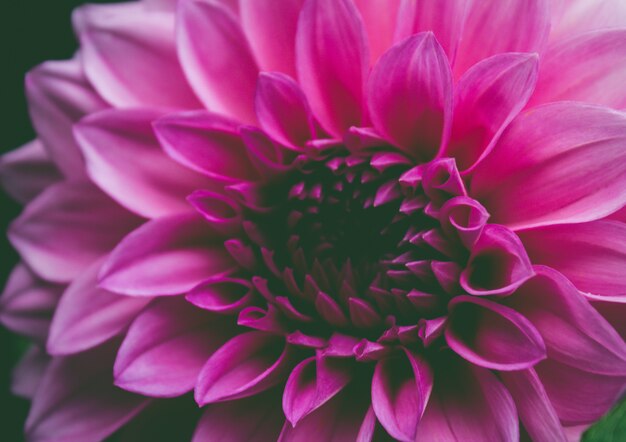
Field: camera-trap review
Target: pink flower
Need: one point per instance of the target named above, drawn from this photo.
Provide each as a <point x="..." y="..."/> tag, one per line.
<point x="326" y="220"/>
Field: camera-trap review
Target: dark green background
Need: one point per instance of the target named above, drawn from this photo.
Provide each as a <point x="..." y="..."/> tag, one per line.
<point x="33" y="31"/>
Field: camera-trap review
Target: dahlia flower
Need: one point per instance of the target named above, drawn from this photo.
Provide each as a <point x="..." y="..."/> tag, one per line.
<point x="324" y="220"/>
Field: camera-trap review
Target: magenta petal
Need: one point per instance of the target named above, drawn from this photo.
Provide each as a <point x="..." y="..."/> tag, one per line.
<point x="464" y="218"/>
<point x="578" y="16"/>
<point x="129" y="55"/>
<point x="491" y="335"/>
<point x="591" y="255"/>
<point x="29" y="371"/>
<point x="216" y="58"/>
<point x="533" y="405"/>
<point x="410" y="96"/>
<point x="165" y="256"/>
<point x="67" y="227"/>
<point x="498" y="263"/>
<point x="222" y="295"/>
<point x="547" y="168"/>
<point x="379" y="19"/>
<point x="488" y="96"/>
<point x="165" y="348"/>
<point x="88" y="315"/>
<point x="332" y="62"/>
<point x="256" y="418"/>
<point x="400" y="391"/>
<point x="207" y="143"/>
<point x="27" y="171"/>
<point x="76" y="400"/>
<point x="574" y="332"/>
<point x="244" y="366"/>
<point x="312" y="383"/>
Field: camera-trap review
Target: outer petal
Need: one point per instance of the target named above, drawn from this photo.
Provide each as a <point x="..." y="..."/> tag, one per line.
<point x="503" y="26"/>
<point x="379" y="18"/>
<point x="77" y="401"/>
<point x="574" y="333"/>
<point x="410" y="96"/>
<point x="66" y="228"/>
<point x="548" y="168"/>
<point x="582" y="15"/>
<point x="129" y="55"/>
<point x="125" y="160"/>
<point x="332" y="62"/>
<point x="589" y="67"/>
<point x="489" y="95"/>
<point x="165" y="348"/>
<point x="591" y="255"/>
<point x="59" y="95"/>
<point x="165" y="256"/>
<point x="25" y="172"/>
<point x="216" y="58"/>
<point x="88" y="315"/>
<point x="29" y="371"/>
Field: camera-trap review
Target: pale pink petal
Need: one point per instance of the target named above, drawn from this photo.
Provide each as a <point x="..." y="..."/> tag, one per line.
<point x="207" y="143"/>
<point x="126" y="161"/>
<point x="216" y="58"/>
<point x="26" y="171"/>
<point x="379" y="18"/>
<point x="59" y="95"/>
<point x="410" y="96"/>
<point x="488" y="96"/>
<point x="271" y="30"/>
<point x="589" y="67"/>
<point x="165" y="256"/>
<point x="591" y="255"/>
<point x="502" y="26"/>
<point x="558" y="163"/>
<point x="491" y="335"/>
<point x="332" y="62"/>
<point x="29" y="371"/>
<point x="577" y="16"/>
<point x="166" y="346"/>
<point x="88" y="315"/>
<point x="67" y="227"/>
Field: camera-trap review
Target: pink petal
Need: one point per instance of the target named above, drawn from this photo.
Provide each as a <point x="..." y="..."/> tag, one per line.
<point x="613" y="312"/>
<point x="410" y="96"/>
<point x="464" y="218"/>
<point x="577" y="16"/>
<point x="165" y="348"/>
<point x="445" y="18"/>
<point x="468" y="403"/>
<point x="216" y="58"/>
<point x="283" y="110"/>
<point x="589" y="67"/>
<point x="66" y="228"/>
<point x="379" y="18"/>
<point x="256" y="418"/>
<point x="165" y="256"/>
<point x="207" y="143"/>
<point x="498" y="263"/>
<point x="222" y="295"/>
<point x="88" y="315"/>
<point x="27" y="171"/>
<point x="533" y="405"/>
<point x="244" y="366"/>
<point x="491" y="335"/>
<point x="28" y="303"/>
<point x="489" y="95"/>
<point x="592" y="255"/>
<point x="332" y="62"/>
<point x="129" y="55"/>
<point x="77" y="401"/>
<point x="29" y="371"/>
<point x="59" y="95"/>
<point x="312" y="383"/>
<point x="503" y="26"/>
<point x="574" y="333"/>
<point x="271" y="30"/>
<point x="126" y="161"/>
<point x="400" y="391"/>
<point x="548" y="168"/>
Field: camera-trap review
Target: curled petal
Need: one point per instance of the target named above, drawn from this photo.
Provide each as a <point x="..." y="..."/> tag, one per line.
<point x="222" y="295"/>
<point x="441" y="180"/>
<point x="464" y="218"/>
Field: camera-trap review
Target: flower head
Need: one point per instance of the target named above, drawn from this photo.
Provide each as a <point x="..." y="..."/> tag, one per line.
<point x="328" y="219"/>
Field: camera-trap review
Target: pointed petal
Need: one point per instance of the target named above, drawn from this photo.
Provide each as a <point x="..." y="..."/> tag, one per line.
<point x="222" y="295"/>
<point x="548" y="168"/>
<point x="165" y="256"/>
<point x="67" y="227"/>
<point x="332" y="62"/>
<point x="488" y="96"/>
<point x="216" y="58"/>
<point x="29" y="371"/>
<point x="379" y="18"/>
<point x="410" y="96"/>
